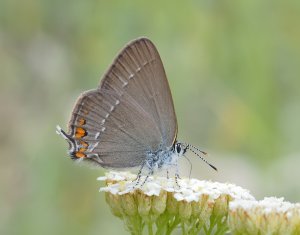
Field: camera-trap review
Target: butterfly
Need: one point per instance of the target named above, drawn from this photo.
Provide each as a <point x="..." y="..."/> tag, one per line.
<point x="129" y="120"/>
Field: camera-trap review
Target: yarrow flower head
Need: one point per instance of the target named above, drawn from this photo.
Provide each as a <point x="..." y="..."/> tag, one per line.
<point x="269" y="216"/>
<point x="161" y="205"/>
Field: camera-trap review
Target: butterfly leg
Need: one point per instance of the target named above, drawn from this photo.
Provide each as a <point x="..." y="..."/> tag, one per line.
<point x="150" y="167"/>
<point x="138" y="177"/>
<point x="150" y="173"/>
<point x="168" y="174"/>
<point x="177" y="175"/>
<point x="137" y="180"/>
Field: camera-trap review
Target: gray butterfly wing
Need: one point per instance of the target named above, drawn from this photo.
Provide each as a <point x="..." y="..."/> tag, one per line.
<point x="129" y="115"/>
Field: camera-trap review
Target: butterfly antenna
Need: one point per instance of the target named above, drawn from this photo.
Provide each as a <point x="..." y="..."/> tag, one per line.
<point x="203" y="159"/>
<point x="199" y="150"/>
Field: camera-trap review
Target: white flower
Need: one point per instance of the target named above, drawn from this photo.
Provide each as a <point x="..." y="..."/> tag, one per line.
<point x="269" y="216"/>
<point x="197" y="205"/>
<point x="188" y="190"/>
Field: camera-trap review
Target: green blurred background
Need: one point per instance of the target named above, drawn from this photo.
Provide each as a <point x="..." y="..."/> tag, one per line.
<point x="233" y="67"/>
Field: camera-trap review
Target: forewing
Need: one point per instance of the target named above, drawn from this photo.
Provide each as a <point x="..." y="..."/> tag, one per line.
<point x="138" y="73"/>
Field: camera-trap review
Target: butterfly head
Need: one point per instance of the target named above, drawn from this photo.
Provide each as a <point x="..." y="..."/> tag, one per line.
<point x="180" y="149"/>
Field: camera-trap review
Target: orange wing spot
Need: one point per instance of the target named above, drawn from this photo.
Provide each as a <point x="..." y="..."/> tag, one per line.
<point x="80" y="155"/>
<point x="80" y="132"/>
<point x="81" y="121"/>
<point x="82" y="150"/>
<point x="84" y="144"/>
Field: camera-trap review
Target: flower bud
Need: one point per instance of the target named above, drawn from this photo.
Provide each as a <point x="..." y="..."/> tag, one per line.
<point x="159" y="203"/>
<point x="114" y="202"/>
<point x="172" y="204"/>
<point x="143" y="203"/>
<point x="221" y="205"/>
<point x="128" y="204"/>
<point x="184" y="210"/>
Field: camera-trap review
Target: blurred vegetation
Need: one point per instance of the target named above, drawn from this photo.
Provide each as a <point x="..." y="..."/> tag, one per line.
<point x="233" y="67"/>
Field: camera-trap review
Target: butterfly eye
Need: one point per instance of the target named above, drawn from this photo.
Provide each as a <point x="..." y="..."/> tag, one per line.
<point x="178" y="148"/>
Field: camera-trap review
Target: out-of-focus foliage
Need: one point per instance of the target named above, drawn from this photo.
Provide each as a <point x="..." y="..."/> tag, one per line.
<point x="233" y="68"/>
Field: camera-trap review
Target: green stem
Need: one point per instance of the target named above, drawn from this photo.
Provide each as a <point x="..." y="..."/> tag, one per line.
<point x="162" y="224"/>
<point x="173" y="225"/>
<point x="222" y="226"/>
<point x="150" y="230"/>
<point x="137" y="224"/>
<point x="183" y="228"/>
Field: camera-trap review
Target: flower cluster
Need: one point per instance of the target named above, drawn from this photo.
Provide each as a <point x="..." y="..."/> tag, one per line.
<point x="161" y="205"/>
<point x="268" y="216"/>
